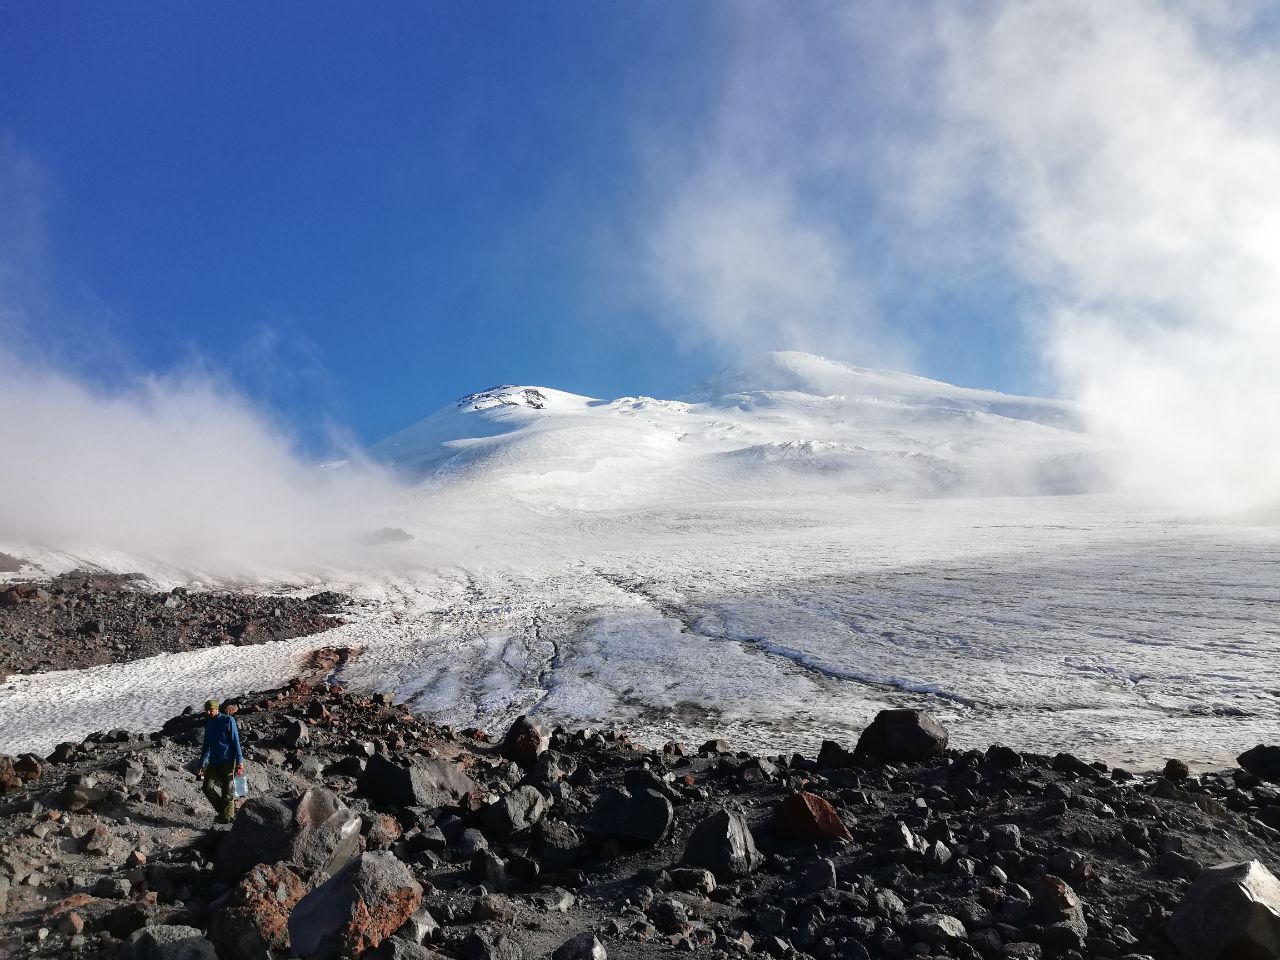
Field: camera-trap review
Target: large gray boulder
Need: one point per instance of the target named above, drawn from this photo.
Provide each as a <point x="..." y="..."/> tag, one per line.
<point x="723" y="844"/>
<point x="902" y="736"/>
<point x="585" y="946"/>
<point x="356" y="909"/>
<point x="1263" y="761"/>
<point x="317" y="833"/>
<point x="427" y="783"/>
<point x="645" y="816"/>
<point x="167" y="943"/>
<point x="515" y="813"/>
<point x="1231" y="911"/>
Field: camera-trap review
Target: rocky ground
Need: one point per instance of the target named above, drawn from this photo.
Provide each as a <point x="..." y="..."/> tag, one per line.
<point x="84" y="619"/>
<point x="371" y="833"/>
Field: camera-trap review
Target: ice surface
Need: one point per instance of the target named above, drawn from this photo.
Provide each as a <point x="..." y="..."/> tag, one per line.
<point x="772" y="559"/>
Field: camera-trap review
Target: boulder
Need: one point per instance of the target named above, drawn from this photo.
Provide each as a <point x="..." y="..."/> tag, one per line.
<point x="902" y="736"/>
<point x="28" y="767"/>
<point x="1230" y="911"/>
<point x="514" y="813"/>
<point x="167" y="943"/>
<point x="356" y="909"/>
<point x="808" y="818"/>
<point x="316" y="833"/>
<point x="645" y="817"/>
<point x="1262" y="761"/>
<point x="1056" y="904"/>
<point x="254" y="918"/>
<point x="722" y="843"/>
<point x="484" y="944"/>
<point x="585" y="946"/>
<point x="832" y="756"/>
<point x="296" y="734"/>
<point x="430" y="783"/>
<point x="526" y="741"/>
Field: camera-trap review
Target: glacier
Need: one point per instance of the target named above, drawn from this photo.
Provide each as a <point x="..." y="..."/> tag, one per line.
<point x="771" y="558"/>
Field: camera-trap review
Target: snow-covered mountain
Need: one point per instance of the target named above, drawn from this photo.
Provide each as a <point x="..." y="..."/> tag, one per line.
<point x="781" y="422"/>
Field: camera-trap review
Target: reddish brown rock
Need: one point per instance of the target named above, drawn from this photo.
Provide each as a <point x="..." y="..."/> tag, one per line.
<point x="355" y="909"/>
<point x="9" y="779"/>
<point x="255" y="917"/>
<point x="808" y="818"/>
<point x="71" y="923"/>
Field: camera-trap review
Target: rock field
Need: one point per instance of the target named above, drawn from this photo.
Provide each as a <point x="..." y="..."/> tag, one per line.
<point x="371" y="833"/>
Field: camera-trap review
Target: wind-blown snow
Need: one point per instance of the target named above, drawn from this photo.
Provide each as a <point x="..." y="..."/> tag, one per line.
<point x="773" y="558"/>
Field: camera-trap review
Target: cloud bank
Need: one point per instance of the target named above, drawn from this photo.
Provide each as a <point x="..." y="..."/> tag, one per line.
<point x="181" y="469"/>
<point x="1116" y="160"/>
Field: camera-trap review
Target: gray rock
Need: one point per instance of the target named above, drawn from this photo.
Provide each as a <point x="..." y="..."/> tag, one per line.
<point x="420" y="927"/>
<point x="361" y="905"/>
<point x="646" y="817"/>
<point x="938" y="929"/>
<point x="311" y="768"/>
<point x="723" y="844"/>
<point x="819" y="875"/>
<point x="167" y="943"/>
<point x="902" y="736"/>
<point x="693" y="880"/>
<point x="585" y="946"/>
<point x="1231" y="910"/>
<point x="430" y="783"/>
<point x="316" y="832"/>
<point x="297" y="734"/>
<point x="516" y="812"/>
<point x="486" y="945"/>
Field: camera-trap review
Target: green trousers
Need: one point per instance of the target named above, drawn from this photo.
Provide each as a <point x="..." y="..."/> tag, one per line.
<point x="219" y="787"/>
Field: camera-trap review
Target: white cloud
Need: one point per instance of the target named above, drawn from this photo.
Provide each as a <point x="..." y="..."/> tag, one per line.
<point x="1118" y="159"/>
<point x="1135" y="147"/>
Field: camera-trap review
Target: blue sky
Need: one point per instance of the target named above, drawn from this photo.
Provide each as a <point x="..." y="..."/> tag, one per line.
<point x="361" y="212"/>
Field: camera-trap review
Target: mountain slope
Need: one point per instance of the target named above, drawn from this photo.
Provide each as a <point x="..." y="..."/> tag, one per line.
<point x="780" y="423"/>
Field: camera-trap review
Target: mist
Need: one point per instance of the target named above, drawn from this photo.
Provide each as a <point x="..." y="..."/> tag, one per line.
<point x="180" y="469"/>
<point x="1116" y="162"/>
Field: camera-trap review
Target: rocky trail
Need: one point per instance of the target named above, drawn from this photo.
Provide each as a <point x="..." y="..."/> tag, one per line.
<point x="371" y="832"/>
<point x="86" y="619"/>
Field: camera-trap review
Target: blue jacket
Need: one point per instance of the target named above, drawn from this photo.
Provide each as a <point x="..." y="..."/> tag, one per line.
<point x="221" y="741"/>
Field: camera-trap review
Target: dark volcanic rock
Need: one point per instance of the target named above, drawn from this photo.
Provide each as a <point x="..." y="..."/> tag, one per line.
<point x="526" y="740"/>
<point x="355" y="909"/>
<point x="902" y="736"/>
<point x="516" y="812"/>
<point x="167" y="943"/>
<point x="645" y="817"/>
<point x="430" y="783"/>
<point x="316" y="832"/>
<point x="585" y="946"/>
<point x="1231" y="912"/>
<point x="723" y="844"/>
<point x="1263" y="761"/>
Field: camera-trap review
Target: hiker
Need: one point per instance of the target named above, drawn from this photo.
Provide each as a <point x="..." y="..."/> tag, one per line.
<point x="221" y="761"/>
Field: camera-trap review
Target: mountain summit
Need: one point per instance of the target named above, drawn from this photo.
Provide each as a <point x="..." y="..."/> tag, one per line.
<point x="778" y="423"/>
